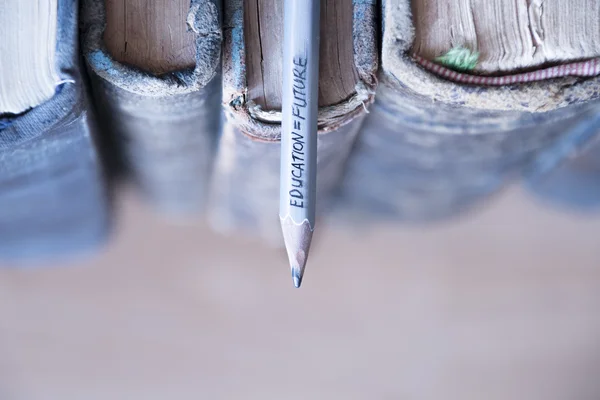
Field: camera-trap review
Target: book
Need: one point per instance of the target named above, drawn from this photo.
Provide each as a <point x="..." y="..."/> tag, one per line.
<point x="159" y="99"/>
<point x="431" y="148"/>
<point x="245" y="191"/>
<point x="53" y="194"/>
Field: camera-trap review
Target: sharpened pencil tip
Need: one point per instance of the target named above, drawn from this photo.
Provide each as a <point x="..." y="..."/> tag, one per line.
<point x="297" y="240"/>
<point x="297" y="275"/>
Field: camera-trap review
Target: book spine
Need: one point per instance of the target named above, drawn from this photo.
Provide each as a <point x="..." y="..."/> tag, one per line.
<point x="164" y="127"/>
<point x="53" y="193"/>
<point x="432" y="148"/>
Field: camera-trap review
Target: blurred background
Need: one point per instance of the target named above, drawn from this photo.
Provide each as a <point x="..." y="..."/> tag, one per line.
<point x="501" y="303"/>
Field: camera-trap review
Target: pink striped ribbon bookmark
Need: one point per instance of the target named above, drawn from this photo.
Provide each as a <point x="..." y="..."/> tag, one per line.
<point x="583" y="68"/>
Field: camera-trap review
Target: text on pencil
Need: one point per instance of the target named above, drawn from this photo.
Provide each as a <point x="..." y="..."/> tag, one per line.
<point x="298" y="139"/>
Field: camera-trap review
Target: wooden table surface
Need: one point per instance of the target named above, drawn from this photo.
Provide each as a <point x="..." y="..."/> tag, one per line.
<point x="501" y="304"/>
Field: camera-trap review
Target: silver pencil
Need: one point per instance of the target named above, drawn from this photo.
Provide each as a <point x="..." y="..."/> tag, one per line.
<point x="299" y="130"/>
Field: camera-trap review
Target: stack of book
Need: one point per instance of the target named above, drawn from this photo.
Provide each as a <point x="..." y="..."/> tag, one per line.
<point x="425" y="108"/>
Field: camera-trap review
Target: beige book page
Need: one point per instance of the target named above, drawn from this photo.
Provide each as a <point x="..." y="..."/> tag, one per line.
<point x="509" y="34"/>
<point x="28" y="67"/>
<point x="263" y="30"/>
<point x="150" y="34"/>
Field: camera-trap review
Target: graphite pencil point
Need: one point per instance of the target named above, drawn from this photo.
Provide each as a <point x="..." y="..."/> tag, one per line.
<point x="297" y="275"/>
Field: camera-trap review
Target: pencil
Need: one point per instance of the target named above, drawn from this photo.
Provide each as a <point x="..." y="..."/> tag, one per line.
<point x="299" y="130"/>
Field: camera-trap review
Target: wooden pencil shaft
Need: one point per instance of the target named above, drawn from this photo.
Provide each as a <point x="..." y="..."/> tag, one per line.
<point x="299" y="131"/>
<point x="299" y="111"/>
